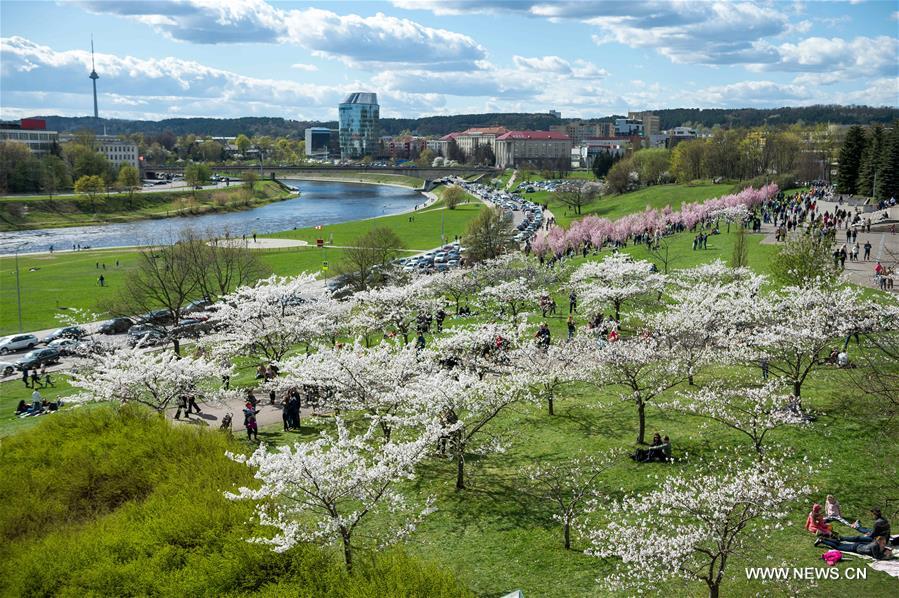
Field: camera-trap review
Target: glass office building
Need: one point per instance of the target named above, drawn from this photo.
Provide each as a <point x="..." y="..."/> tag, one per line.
<point x="359" y="126"/>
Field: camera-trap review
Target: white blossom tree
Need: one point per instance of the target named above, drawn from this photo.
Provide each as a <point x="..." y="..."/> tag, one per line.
<point x="272" y="317"/>
<point x="643" y="367"/>
<point x="393" y="309"/>
<point x="567" y="485"/>
<point x="483" y="349"/>
<point x="795" y="325"/>
<point x="152" y="378"/>
<point x="691" y="526"/>
<point x="326" y="490"/>
<point x="705" y="322"/>
<point x="465" y="405"/>
<point x="360" y="379"/>
<point x="512" y="295"/>
<point x="458" y="284"/>
<point x="614" y="281"/>
<point x="753" y="411"/>
<point x="549" y="369"/>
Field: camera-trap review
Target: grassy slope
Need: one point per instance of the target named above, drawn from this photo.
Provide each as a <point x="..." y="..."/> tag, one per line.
<point x="422" y="232"/>
<point x="78" y="211"/>
<point x="615" y="206"/>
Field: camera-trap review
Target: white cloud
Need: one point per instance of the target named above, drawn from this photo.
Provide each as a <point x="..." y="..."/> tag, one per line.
<point x="852" y="59"/>
<point x="301" y="66"/>
<point x="379" y="40"/>
<point x="156" y="85"/>
<point x="753" y="94"/>
<point x="545" y="64"/>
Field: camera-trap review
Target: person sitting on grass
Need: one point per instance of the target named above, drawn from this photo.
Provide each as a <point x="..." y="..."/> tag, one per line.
<point x="815" y="523"/>
<point x="881" y="528"/>
<point x="876" y="549"/>
<point x="22" y="407"/>
<point x="832" y="511"/>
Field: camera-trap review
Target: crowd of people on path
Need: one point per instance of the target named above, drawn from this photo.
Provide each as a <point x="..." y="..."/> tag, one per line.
<point x="873" y="542"/>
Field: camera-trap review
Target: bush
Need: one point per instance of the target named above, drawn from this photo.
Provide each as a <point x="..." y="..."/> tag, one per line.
<point x="117" y="501"/>
<point x="784" y="181"/>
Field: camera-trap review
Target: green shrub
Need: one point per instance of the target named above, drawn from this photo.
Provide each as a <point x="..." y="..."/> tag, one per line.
<point x="118" y="502"/>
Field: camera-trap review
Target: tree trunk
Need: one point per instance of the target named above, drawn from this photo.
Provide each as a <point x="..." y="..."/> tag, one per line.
<point x="567" y="528"/>
<point x="797" y="388"/>
<point x="713" y="591"/>
<point x="690" y="379"/>
<point x="176" y="344"/>
<point x="347" y="550"/>
<point x="641" y="412"/>
<point x="549" y="401"/>
<point x="460" y="469"/>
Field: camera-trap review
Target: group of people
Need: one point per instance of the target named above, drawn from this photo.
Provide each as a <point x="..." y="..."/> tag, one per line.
<point x="31" y="378"/>
<point x="871" y="541"/>
<point x="659" y="450"/>
<point x="38" y="405"/>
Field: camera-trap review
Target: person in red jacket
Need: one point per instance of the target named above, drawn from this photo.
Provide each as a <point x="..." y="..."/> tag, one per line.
<point x="815" y="522"/>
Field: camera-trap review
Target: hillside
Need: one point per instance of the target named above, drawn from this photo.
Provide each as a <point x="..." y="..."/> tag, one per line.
<point x="441" y="125"/>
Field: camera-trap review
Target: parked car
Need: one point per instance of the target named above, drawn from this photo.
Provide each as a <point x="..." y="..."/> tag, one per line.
<point x="17" y="342"/>
<point x="145" y="335"/>
<point x="65" y="346"/>
<point x="197" y="306"/>
<point x="7" y="368"/>
<point x="191" y="327"/>
<point x="159" y="316"/>
<point x="37" y="358"/>
<point x="66" y="332"/>
<point x="115" y="326"/>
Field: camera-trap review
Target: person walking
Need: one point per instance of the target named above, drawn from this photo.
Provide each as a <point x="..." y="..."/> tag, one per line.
<point x="35" y="379"/>
<point x="572" y="302"/>
<point x="867" y="250"/>
<point x="25" y="377"/>
<point x="192" y="404"/>
<point x="440" y="317"/>
<point x="182" y="404"/>
<point x="570" y="324"/>
<point x="101" y="281"/>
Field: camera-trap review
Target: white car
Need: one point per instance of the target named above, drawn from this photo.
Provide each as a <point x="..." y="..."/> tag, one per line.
<point x="17" y="342"/>
<point x="7" y="368"/>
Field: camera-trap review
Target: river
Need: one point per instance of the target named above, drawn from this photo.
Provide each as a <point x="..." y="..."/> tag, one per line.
<point x="320" y="202"/>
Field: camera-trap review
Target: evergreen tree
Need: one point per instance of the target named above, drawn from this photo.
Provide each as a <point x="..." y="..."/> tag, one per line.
<point x="850" y="160"/>
<point x="602" y="163"/>
<point x="871" y="162"/>
<point x="888" y="178"/>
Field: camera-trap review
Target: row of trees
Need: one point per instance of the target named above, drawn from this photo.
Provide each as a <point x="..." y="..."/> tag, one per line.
<point x="869" y="162"/>
<point x="396" y="402"/>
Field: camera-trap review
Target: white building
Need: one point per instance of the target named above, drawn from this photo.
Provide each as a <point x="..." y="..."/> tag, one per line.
<point x="33" y="133"/>
<point x="534" y="148"/>
<point x="118" y="152"/>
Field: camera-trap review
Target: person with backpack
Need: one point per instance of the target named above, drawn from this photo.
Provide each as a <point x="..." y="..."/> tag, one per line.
<point x="249" y="422"/>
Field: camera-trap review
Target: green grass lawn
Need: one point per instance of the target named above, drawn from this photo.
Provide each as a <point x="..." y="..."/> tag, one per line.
<point x="18" y="213"/>
<point x="418" y="230"/>
<point x="616" y="206"/>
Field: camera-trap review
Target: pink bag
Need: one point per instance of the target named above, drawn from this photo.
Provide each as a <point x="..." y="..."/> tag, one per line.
<point x="832" y="557"/>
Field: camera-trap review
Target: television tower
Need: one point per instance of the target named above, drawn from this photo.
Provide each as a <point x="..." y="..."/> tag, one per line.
<point x="94" y="76"/>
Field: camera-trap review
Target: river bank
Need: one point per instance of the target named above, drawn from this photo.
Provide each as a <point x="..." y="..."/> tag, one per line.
<point x="22" y="214"/>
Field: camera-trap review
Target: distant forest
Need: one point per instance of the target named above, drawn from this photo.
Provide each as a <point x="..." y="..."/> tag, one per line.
<point x="441" y="125"/>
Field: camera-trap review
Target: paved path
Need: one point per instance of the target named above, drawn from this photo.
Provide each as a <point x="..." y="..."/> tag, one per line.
<point x="884" y="247"/>
<point x="212" y="414"/>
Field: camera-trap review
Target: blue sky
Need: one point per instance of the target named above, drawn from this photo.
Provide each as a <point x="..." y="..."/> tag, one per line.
<point x="159" y="59"/>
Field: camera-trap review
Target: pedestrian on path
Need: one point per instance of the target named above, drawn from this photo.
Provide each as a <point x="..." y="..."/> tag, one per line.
<point x="25" y="377"/>
<point x="867" y="250"/>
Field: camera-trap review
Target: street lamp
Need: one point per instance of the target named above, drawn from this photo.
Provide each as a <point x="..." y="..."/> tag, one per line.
<point x="18" y="290"/>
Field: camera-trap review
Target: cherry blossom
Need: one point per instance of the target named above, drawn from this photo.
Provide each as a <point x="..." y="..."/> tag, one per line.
<point x="643" y="367"/>
<point x="614" y="281"/>
<point x="753" y="411"/>
<point x="568" y="484"/>
<point x="153" y="378"/>
<point x="514" y="295"/>
<point x="549" y="369"/>
<point x="326" y="490"/>
<point x="693" y="523"/>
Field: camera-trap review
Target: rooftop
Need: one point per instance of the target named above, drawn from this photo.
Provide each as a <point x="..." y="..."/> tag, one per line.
<point x="484" y="131"/>
<point x="534" y="135"/>
<point x="361" y="97"/>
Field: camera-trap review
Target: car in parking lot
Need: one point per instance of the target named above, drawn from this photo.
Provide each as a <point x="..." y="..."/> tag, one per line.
<point x="192" y="327"/>
<point x="17" y="342"/>
<point x="115" y="326"/>
<point x="197" y="306"/>
<point x="159" y="316"/>
<point x="37" y="358"/>
<point x="7" y="368"/>
<point x="65" y="332"/>
<point x="145" y="334"/>
<point x="65" y="345"/>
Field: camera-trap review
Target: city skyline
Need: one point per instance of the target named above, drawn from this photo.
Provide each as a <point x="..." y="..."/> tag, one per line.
<point x="298" y="60"/>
